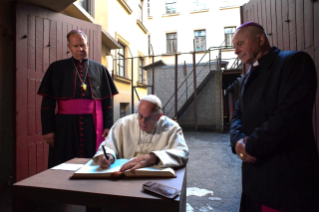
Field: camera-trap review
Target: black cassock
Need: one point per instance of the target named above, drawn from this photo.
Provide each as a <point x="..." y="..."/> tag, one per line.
<point x="75" y="135"/>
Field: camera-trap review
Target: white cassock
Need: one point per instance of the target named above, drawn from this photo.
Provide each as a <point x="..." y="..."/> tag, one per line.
<point x="166" y="141"/>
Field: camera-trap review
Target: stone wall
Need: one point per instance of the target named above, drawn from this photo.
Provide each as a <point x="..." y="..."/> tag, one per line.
<point x="209" y="107"/>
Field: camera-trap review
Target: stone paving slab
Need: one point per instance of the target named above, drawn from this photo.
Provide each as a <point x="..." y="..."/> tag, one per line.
<point x="214" y="169"/>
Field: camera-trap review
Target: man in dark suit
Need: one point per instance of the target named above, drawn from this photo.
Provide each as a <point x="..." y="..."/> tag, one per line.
<point x="271" y="129"/>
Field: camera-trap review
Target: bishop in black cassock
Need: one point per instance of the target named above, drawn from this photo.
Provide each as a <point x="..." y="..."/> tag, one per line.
<point x="82" y="89"/>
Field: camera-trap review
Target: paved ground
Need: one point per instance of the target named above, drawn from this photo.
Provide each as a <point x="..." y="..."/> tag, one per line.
<point x="212" y="166"/>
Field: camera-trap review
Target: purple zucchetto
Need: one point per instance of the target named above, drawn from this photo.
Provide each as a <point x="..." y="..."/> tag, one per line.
<point x="250" y="23"/>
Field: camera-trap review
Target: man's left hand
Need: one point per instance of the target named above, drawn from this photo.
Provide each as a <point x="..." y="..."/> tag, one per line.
<point x="241" y="152"/>
<point x="139" y="162"/>
<point x="105" y="132"/>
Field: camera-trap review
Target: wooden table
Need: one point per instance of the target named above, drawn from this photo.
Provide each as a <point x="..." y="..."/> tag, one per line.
<point x="52" y="188"/>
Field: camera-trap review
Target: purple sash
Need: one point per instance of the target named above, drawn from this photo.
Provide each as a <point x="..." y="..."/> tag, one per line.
<point x="267" y="209"/>
<point x="85" y="106"/>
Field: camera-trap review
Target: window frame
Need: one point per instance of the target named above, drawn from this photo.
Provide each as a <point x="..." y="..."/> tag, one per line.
<point x="121" y="59"/>
<point x="140" y="70"/>
<point x="229" y="36"/>
<point x="167" y="43"/>
<point x="148" y="8"/>
<point x="89" y="6"/>
<point x="140" y="9"/>
<point x="170" y="3"/>
<point x="198" y="3"/>
<point x="196" y="42"/>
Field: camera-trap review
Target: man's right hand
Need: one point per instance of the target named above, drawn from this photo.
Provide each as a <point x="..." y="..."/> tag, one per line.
<point x="49" y="138"/>
<point x="241" y="152"/>
<point x="105" y="163"/>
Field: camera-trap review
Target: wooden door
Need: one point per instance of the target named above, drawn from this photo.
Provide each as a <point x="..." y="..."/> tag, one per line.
<point x="40" y="40"/>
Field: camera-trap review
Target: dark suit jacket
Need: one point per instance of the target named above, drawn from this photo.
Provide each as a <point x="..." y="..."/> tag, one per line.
<point x="274" y="111"/>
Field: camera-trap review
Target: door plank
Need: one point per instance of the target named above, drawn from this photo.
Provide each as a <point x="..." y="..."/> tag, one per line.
<point x="32" y="159"/>
<point x="285" y="24"/>
<point x="31" y="43"/>
<point x="269" y="22"/>
<point x="264" y="15"/>
<point x="292" y="25"/>
<point x="31" y="106"/>
<point x="39" y="25"/>
<point x="274" y="23"/>
<point x="40" y="156"/>
<point x="279" y="23"/>
<point x="21" y="75"/>
<point x="300" y="25"/>
<point x="46" y="45"/>
<point x="53" y="42"/>
<point x="38" y="101"/>
<point x="308" y="23"/>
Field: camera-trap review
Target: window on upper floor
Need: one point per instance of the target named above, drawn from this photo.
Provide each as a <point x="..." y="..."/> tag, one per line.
<point x="121" y="61"/>
<point x="229" y="34"/>
<point x="199" y="4"/>
<point x="171" y="43"/>
<point x="140" y="70"/>
<point x="87" y="5"/>
<point x="200" y="40"/>
<point x="140" y="11"/>
<point x="148" y="8"/>
<point x="170" y="6"/>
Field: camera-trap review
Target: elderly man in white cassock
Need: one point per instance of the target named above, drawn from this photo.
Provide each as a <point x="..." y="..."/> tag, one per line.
<point x="148" y="136"/>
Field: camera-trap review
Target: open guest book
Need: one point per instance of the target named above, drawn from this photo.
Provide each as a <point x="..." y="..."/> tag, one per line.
<point x="93" y="170"/>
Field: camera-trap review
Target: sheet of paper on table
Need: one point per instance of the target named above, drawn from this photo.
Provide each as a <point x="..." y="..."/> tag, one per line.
<point x="68" y="166"/>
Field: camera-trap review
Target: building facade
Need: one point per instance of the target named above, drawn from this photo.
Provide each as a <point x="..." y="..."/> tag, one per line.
<point x="184" y="33"/>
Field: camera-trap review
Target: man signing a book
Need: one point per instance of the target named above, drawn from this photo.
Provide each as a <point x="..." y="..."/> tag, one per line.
<point x="148" y="136"/>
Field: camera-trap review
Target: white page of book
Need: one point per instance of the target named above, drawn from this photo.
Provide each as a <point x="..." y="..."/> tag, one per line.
<point x="92" y="167"/>
<point x="68" y="166"/>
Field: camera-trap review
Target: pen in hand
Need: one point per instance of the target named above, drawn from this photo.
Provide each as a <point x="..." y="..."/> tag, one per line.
<point x="106" y="157"/>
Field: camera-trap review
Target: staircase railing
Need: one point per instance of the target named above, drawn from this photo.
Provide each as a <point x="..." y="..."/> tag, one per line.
<point x="167" y="110"/>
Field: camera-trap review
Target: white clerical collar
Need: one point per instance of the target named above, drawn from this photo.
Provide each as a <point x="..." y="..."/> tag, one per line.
<point x="255" y="63"/>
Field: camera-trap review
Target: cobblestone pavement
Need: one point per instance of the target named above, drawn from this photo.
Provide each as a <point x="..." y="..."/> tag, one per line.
<point x="212" y="166"/>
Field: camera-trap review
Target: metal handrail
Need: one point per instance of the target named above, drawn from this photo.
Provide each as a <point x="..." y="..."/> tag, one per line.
<point x="209" y="49"/>
<point x="181" y="95"/>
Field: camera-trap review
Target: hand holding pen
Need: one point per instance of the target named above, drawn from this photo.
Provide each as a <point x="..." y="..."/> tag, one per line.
<point x="105" y="160"/>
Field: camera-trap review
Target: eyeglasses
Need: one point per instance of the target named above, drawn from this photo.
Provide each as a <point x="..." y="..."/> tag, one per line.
<point x="147" y="119"/>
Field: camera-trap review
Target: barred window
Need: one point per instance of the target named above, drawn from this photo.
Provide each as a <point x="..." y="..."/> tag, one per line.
<point x="200" y="40"/>
<point x="171" y="43"/>
<point x="229" y="34"/>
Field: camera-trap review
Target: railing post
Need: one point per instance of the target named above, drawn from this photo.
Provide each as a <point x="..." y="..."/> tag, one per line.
<point x="132" y="82"/>
<point x="176" y="75"/>
<point x="153" y="74"/>
<point x="195" y="87"/>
